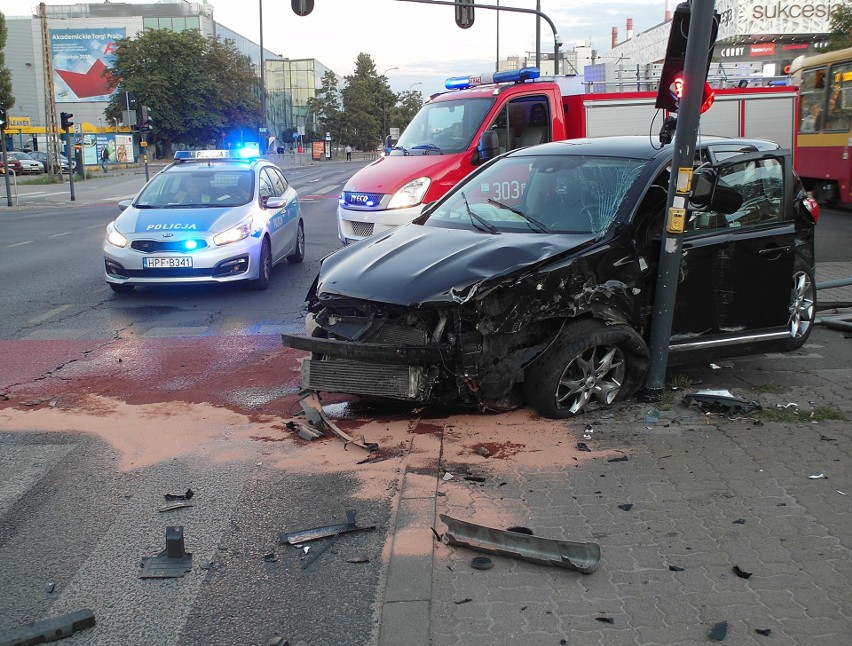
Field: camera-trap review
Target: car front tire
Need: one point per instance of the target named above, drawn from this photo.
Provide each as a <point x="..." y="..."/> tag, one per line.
<point x="298" y="254"/>
<point x="590" y="364"/>
<point x="265" y="269"/>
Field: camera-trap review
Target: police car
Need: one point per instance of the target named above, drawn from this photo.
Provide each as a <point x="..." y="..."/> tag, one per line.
<point x="212" y="216"/>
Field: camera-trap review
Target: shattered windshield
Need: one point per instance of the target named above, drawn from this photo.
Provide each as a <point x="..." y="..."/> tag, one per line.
<point x="545" y="194"/>
<point x="443" y="127"/>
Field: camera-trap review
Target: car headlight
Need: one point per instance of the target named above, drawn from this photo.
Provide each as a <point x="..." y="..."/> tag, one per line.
<point x="114" y="237"/>
<point x="411" y="194"/>
<point x="234" y="234"/>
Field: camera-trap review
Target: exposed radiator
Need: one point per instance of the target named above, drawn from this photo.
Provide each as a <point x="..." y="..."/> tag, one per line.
<point x="357" y="378"/>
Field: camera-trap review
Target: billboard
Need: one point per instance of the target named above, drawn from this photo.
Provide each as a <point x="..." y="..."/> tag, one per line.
<point x="80" y="57"/>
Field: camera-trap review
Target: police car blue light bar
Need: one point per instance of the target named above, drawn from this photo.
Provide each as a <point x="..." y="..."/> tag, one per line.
<point x="242" y="153"/>
<point x="508" y="76"/>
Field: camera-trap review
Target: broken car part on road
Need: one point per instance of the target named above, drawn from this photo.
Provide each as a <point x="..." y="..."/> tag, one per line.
<point x="583" y="557"/>
<point x="317" y="417"/>
<point x="172" y="562"/>
<point x="305" y="535"/>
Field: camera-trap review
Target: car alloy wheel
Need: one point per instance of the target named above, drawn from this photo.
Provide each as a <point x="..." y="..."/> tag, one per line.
<point x="590" y="364"/>
<point x="802" y="308"/>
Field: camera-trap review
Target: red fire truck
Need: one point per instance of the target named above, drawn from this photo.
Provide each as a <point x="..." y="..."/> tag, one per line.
<point x="441" y="144"/>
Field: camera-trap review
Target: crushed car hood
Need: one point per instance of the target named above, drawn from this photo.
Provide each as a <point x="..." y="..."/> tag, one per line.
<point x="190" y="220"/>
<point x="417" y="264"/>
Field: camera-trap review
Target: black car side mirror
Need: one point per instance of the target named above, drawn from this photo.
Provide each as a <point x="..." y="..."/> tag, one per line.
<point x="712" y="192"/>
<point x="489" y="146"/>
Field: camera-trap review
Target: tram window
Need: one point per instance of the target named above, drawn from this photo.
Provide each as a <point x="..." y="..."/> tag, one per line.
<point x="838" y="115"/>
<point x="812" y="104"/>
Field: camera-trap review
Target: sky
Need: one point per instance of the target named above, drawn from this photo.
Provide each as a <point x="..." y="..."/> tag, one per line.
<point x="417" y="46"/>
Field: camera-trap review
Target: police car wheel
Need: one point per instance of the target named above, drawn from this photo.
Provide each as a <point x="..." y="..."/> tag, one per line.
<point x="265" y="269"/>
<point x="121" y="288"/>
<point x="298" y="254"/>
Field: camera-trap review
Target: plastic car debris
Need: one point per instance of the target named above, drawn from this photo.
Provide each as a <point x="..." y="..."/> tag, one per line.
<point x="626" y="506"/>
<point x="606" y="620"/>
<point x="583" y="557"/>
<point x="180" y="496"/>
<point x="481" y="563"/>
<point x="741" y="573"/>
<point x="763" y="631"/>
<point x="720" y="402"/>
<point x="48" y="630"/>
<point x="583" y="446"/>
<point x="50" y="587"/>
<point x="818" y="476"/>
<point x="172" y="562"/>
<point x="719" y="631"/>
<point x="319" y="552"/>
<point x="623" y="458"/>
<point x="676" y="568"/>
<point x="305" y="535"/>
<point x="176" y="505"/>
<point x="310" y="403"/>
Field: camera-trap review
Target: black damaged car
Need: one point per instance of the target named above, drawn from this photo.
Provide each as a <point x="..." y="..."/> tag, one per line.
<point x="534" y="278"/>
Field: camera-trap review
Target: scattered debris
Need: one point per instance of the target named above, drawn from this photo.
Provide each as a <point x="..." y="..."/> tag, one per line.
<point x="583" y="557"/>
<point x="305" y="535"/>
<point x="587" y="433"/>
<point x="481" y="563"/>
<point x="278" y="641"/>
<point x="319" y="552"/>
<point x="308" y="432"/>
<point x="180" y="496"/>
<point x="626" y="506"/>
<point x="791" y="405"/>
<point x="741" y="573"/>
<point x="50" y="587"/>
<point x="719" y="631"/>
<point x="713" y="366"/>
<point x="720" y="402"/>
<point x="48" y="630"/>
<point x="623" y="458"/>
<point x="172" y="562"/>
<point x="583" y="447"/>
<point x="474" y="478"/>
<point x="465" y="600"/>
<point x="358" y="559"/>
<point x="606" y="620"/>
<point x="676" y="568"/>
<point x="740" y="521"/>
<point x="483" y="451"/>
<point x="763" y="631"/>
<point x="818" y="476"/>
<point x="270" y="557"/>
<point x="653" y="416"/>
<point x="447" y="476"/>
<point x="176" y="505"/>
<point x="309" y="400"/>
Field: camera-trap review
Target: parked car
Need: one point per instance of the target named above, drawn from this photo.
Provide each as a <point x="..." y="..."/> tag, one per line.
<point x="29" y="166"/>
<point x="533" y="279"/>
<point x="212" y="216"/>
<point x="58" y="161"/>
<point x="14" y="164"/>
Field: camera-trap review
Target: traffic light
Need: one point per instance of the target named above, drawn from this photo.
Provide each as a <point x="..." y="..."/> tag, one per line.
<point x="464" y="13"/>
<point x="143" y="118"/>
<point x="2" y="118"/>
<point x="670" y="90"/>
<point x="302" y="7"/>
<point x="65" y="120"/>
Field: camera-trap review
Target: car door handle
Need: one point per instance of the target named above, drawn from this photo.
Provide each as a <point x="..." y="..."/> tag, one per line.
<point x="774" y="250"/>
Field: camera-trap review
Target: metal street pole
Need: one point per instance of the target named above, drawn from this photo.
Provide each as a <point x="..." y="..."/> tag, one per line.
<point x="538" y="35"/>
<point x="69" y="152"/>
<point x="671" y="250"/>
<point x="262" y="74"/>
<point x="497" y="64"/>
<point x="6" y="167"/>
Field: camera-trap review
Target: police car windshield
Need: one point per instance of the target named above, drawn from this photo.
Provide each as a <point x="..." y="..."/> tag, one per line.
<point x="201" y="187"/>
<point x="443" y="127"/>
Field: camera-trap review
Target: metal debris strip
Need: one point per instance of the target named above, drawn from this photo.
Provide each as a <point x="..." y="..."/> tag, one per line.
<point x="583" y="557"/>
<point x="310" y="403"/>
<point x="176" y="505"/>
<point x="172" y="562"/>
<point x="48" y="630"/>
<point x="180" y="496"/>
<point x="305" y="535"/>
<point x="720" y="402"/>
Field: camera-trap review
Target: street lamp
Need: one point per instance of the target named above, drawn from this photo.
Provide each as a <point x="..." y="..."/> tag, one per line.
<point x="388" y="70"/>
<point x="413" y="84"/>
<point x="384" y="109"/>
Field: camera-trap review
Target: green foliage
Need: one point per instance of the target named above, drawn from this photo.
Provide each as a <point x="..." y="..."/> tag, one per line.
<point x="367" y="104"/>
<point x="840" y="36"/>
<point x="6" y="98"/>
<point x="325" y="105"/>
<point x="407" y="105"/>
<point x="195" y="86"/>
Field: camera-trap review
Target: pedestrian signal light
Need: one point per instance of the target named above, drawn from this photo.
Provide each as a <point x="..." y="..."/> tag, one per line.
<point x="2" y="118"/>
<point x="464" y="13"/>
<point x="302" y="7"/>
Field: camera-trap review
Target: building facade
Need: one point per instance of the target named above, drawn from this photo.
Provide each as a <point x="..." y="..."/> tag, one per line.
<point x="80" y="42"/>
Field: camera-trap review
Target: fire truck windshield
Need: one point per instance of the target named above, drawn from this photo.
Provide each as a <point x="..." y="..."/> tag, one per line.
<point x="443" y="127"/>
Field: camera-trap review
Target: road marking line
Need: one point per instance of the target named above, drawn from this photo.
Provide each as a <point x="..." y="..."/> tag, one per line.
<point x="59" y="235"/>
<point x="325" y="189"/>
<point x="119" y="197"/>
<point x="18" y="244"/>
<point x="49" y="314"/>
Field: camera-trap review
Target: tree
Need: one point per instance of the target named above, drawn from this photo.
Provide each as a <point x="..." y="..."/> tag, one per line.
<point x="196" y="87"/>
<point x="408" y="103"/>
<point x="325" y="105"/>
<point x="6" y="98"/>
<point x="840" y="36"/>
<point x="367" y="102"/>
